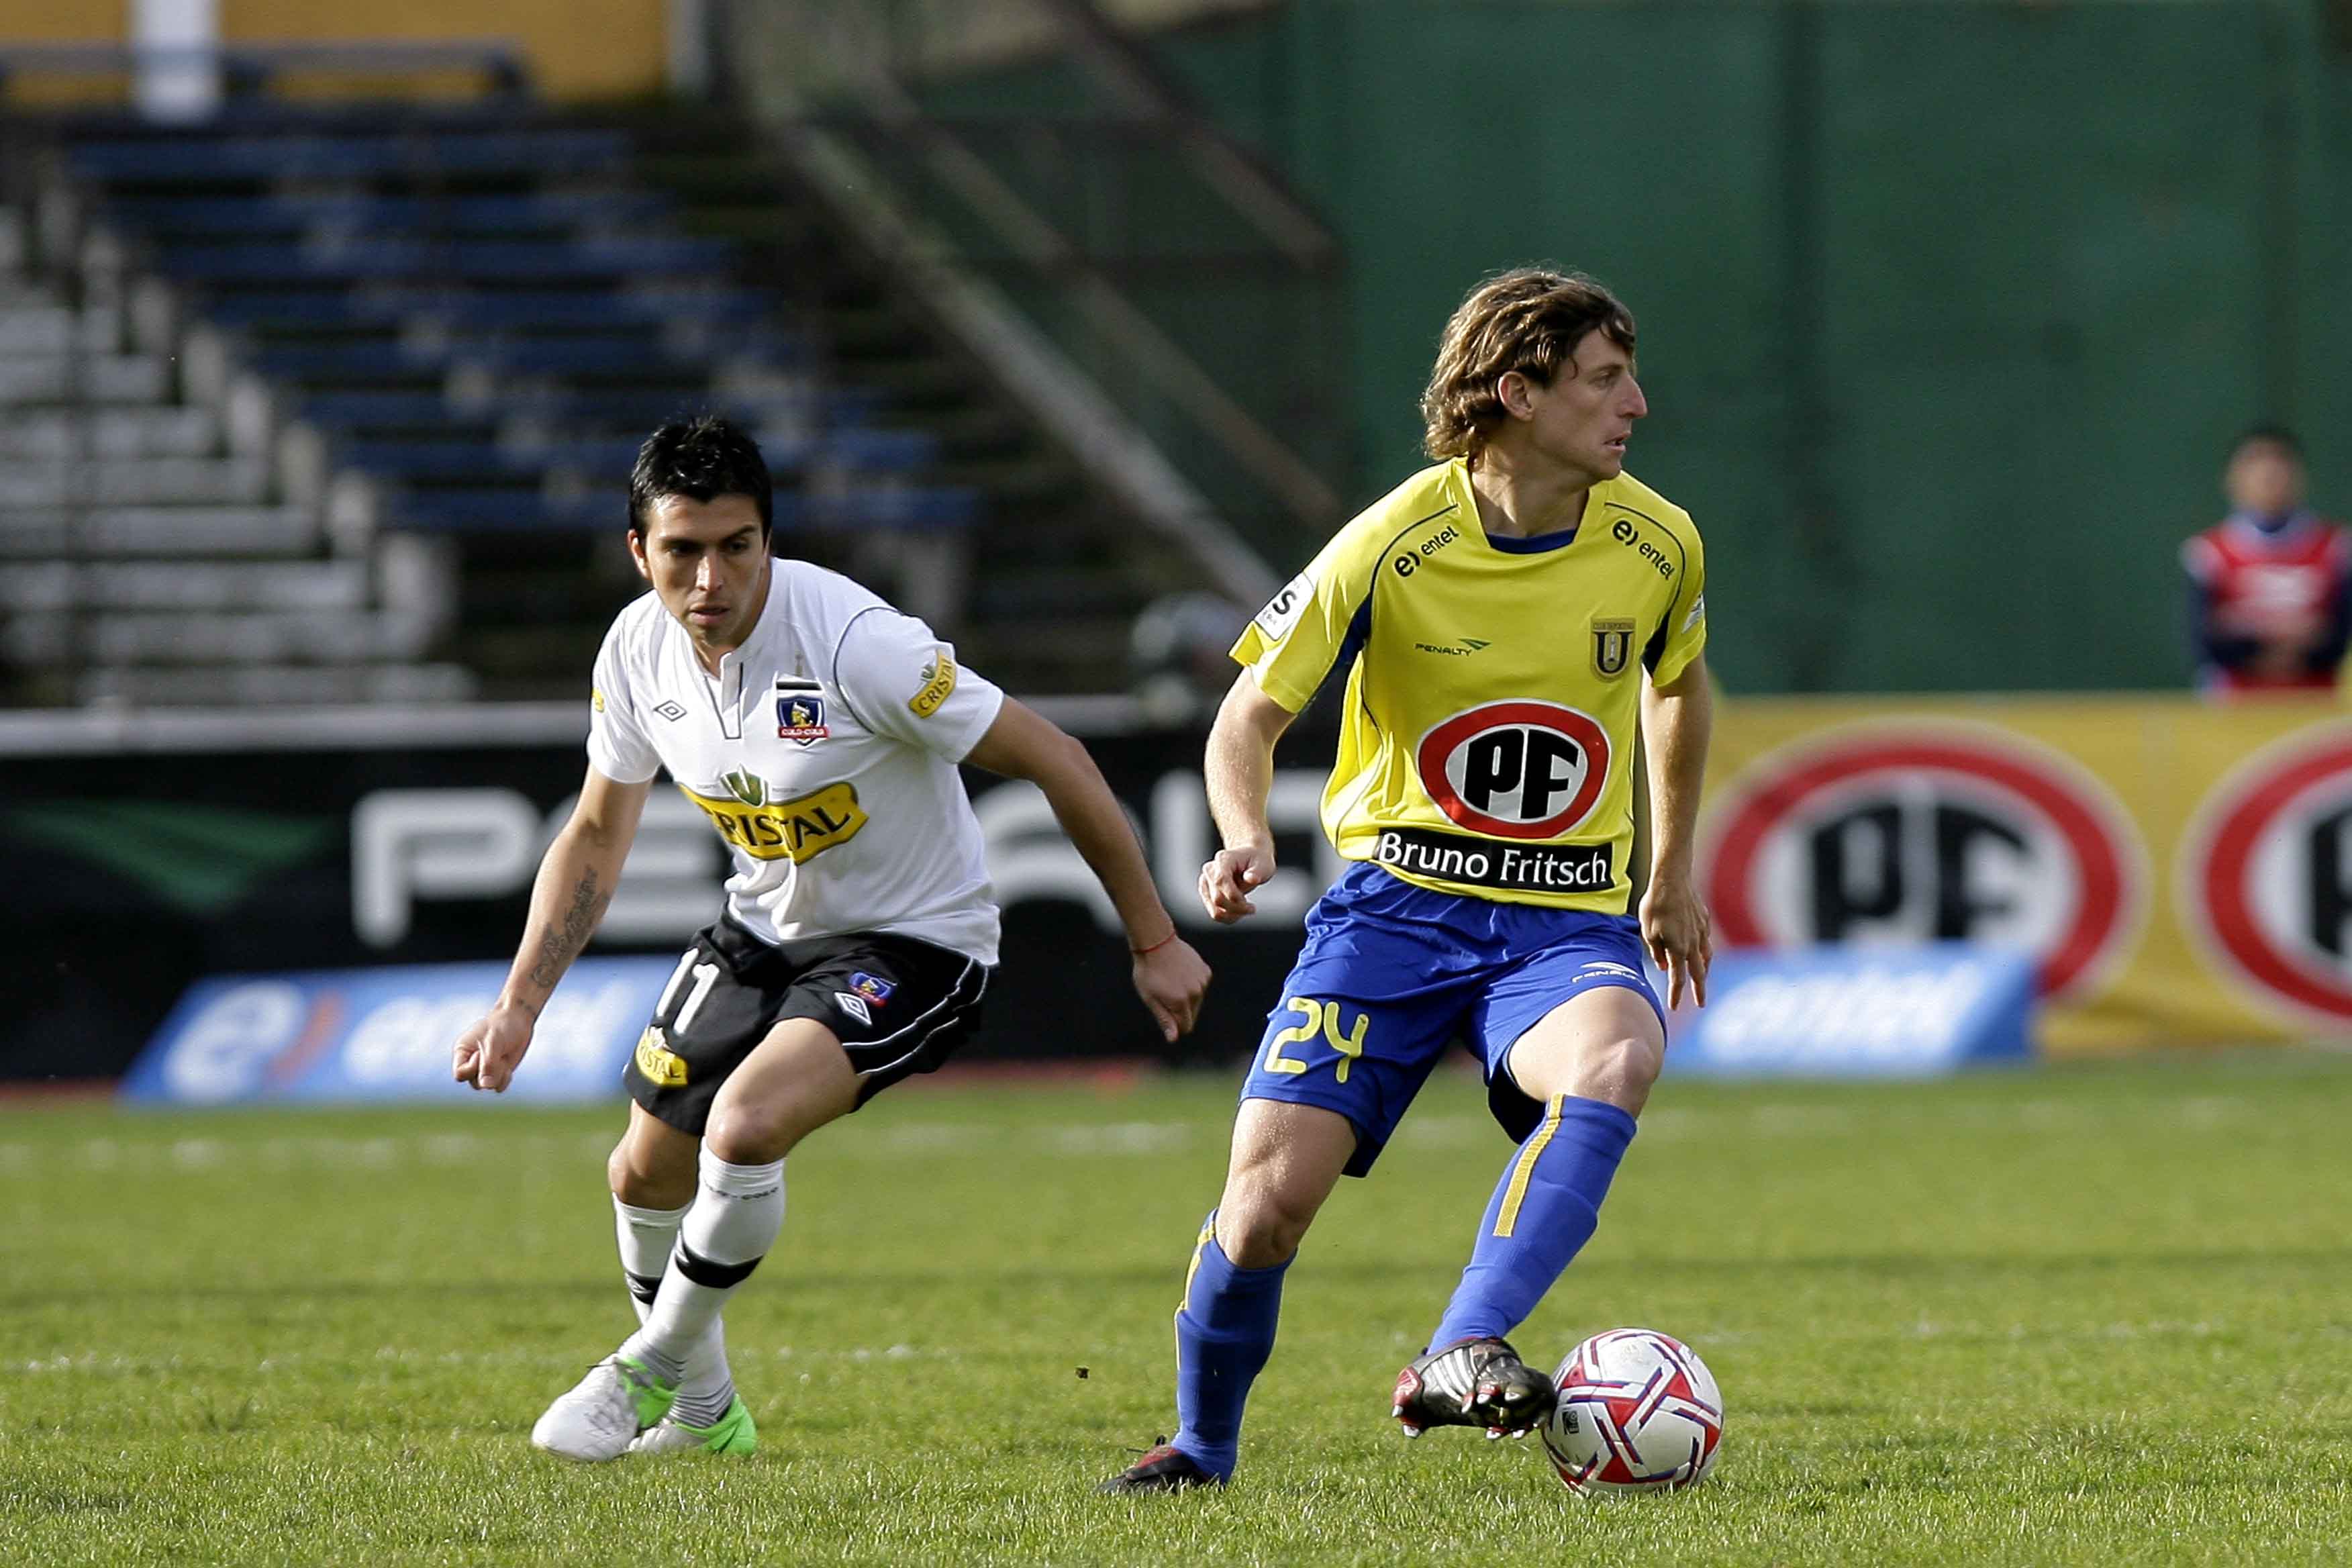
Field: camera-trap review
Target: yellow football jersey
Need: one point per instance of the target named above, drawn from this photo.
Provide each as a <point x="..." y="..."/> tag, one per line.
<point x="1494" y="684"/>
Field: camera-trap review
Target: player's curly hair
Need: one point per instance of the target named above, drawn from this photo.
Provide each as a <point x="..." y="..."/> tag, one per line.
<point x="698" y="458"/>
<point x="1528" y="319"/>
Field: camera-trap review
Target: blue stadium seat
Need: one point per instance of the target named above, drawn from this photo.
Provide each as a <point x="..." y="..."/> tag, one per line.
<point x="249" y="216"/>
<point x="370" y="264"/>
<point x="388" y="257"/>
<point x="320" y="308"/>
<point x="196" y="158"/>
<point x="388" y="359"/>
<point x="490" y="511"/>
<point x="484" y="459"/>
<point x="915" y="510"/>
<point x="883" y="451"/>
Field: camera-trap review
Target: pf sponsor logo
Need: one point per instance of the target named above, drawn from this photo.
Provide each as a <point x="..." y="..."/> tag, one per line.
<point x="1953" y="833"/>
<point x="2266" y="883"/>
<point x="1520" y="769"/>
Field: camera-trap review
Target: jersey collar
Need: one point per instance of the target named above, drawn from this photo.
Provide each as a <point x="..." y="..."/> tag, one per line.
<point x="2288" y="529"/>
<point x="763" y="630"/>
<point x="756" y="644"/>
<point x="1466" y="498"/>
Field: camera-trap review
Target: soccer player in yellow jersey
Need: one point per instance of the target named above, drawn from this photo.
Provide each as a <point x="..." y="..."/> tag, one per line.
<point x="1505" y="620"/>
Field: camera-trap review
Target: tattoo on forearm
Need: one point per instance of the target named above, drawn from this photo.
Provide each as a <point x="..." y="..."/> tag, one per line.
<point x="556" y="948"/>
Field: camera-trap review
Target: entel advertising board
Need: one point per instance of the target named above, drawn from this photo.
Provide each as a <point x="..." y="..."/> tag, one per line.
<point x="1913" y="1012"/>
<point x="362" y="1035"/>
<point x="2179" y="872"/>
<point x="385" y="1034"/>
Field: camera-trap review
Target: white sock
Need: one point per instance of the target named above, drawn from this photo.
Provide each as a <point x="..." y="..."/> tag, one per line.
<point x="647" y="1237"/>
<point x="735" y="1219"/>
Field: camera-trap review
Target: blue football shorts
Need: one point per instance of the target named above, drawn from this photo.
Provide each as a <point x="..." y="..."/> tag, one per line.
<point x="1391" y="974"/>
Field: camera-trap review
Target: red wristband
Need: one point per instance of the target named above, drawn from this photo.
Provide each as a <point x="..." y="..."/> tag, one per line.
<point x="1155" y="947"/>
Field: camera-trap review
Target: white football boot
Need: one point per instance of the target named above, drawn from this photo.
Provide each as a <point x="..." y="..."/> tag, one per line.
<point x="604" y="1413"/>
<point x="733" y="1433"/>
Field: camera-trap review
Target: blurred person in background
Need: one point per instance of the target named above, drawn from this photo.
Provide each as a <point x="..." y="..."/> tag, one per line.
<point x="1506" y="621"/>
<point x="1177" y="652"/>
<point x="2270" y="587"/>
<point x="820" y="730"/>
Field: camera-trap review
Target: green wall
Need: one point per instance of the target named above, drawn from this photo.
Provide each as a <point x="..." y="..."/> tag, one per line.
<point x="1948" y="309"/>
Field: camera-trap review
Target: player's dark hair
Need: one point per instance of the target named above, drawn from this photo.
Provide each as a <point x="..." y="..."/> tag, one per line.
<point x="700" y="458"/>
<point x="1528" y="319"/>
<point x="2268" y="435"/>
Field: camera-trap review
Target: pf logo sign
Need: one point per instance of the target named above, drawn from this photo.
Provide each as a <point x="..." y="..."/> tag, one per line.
<point x="1948" y="834"/>
<point x="2266" y="875"/>
<point x="1516" y="770"/>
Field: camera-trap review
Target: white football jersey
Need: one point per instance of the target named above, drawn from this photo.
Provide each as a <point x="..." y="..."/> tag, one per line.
<point x="824" y="751"/>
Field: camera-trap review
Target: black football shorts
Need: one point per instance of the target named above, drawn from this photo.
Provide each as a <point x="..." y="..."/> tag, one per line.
<point x="899" y="1007"/>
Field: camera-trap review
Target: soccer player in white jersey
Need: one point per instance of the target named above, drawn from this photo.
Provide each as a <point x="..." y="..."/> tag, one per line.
<point x="1505" y="621"/>
<point x="820" y="729"/>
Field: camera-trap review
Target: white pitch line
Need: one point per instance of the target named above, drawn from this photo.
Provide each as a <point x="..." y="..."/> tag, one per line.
<point x="91" y="1362"/>
<point x="1728" y="1123"/>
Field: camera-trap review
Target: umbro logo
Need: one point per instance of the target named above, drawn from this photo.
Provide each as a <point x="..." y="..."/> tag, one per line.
<point x="671" y="711"/>
<point x="1462" y="647"/>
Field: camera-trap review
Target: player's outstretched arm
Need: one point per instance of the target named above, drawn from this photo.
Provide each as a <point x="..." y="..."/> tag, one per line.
<point x="1675" y="723"/>
<point x="576" y="879"/>
<point x="1239" y="770"/>
<point x="1023" y="744"/>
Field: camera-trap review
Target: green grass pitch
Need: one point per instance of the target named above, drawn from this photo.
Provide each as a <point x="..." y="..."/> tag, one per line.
<point x="2089" y="1314"/>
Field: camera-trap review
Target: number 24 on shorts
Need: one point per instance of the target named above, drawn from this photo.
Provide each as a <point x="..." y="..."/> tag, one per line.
<point x="1317" y="1019"/>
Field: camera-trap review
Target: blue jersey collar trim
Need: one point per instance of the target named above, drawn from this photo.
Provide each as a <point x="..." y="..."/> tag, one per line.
<point x="1535" y="545"/>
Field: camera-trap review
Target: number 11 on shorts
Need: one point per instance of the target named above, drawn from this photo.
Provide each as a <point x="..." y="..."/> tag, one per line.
<point x="1319" y="1017"/>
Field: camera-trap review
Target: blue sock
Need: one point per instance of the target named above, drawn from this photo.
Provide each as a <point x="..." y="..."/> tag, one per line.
<point x="1542" y="1214"/>
<point x="1224" y="1332"/>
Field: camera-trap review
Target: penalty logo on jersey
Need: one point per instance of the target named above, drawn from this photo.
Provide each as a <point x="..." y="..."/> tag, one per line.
<point x="1521" y="769"/>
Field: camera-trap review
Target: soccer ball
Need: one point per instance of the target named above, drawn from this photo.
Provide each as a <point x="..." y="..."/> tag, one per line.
<point x="1637" y="1412"/>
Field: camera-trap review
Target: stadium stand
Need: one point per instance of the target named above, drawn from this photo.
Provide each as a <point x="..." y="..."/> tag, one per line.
<point x="148" y="556"/>
<point x="387" y="369"/>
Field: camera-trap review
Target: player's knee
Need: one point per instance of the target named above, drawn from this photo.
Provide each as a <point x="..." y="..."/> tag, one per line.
<point x="747" y="1135"/>
<point x="1259" y="1224"/>
<point x="1621" y="1070"/>
<point x="1618" y="1067"/>
<point x="755" y="1131"/>
<point x="639" y="1179"/>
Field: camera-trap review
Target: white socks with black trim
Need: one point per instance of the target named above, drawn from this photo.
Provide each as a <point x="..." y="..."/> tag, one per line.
<point x="735" y="1218"/>
<point x="647" y="1237"/>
